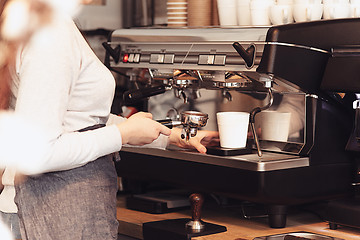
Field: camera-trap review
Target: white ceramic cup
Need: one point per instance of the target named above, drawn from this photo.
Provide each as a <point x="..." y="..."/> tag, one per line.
<point x="233" y="129"/>
<point x="335" y="1"/>
<point x="243" y="13"/>
<point x="355" y="10"/>
<point x="307" y="2"/>
<point x="281" y="14"/>
<point x="337" y="10"/>
<point x="285" y="2"/>
<point x="274" y="125"/>
<point x="259" y="12"/>
<point x="307" y="12"/>
<point x="227" y="10"/>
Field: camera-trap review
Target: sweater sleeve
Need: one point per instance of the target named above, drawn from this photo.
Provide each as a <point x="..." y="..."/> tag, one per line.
<point x="49" y="67"/>
<point x="161" y="142"/>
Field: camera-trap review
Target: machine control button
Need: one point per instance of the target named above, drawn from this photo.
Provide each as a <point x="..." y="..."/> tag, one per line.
<point x="220" y="60"/>
<point x="137" y="58"/>
<point x="157" y="58"/>
<point x="206" y="59"/>
<point x="131" y="57"/>
<point x="203" y="59"/>
<point x="169" y="58"/>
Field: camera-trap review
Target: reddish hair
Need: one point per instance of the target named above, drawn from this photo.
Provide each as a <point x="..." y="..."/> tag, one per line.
<point x="8" y="48"/>
<point x="7" y="60"/>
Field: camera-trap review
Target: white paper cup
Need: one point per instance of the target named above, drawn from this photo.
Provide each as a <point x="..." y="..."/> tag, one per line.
<point x="259" y="12"/>
<point x="176" y="9"/>
<point x="227" y="10"/>
<point x="307" y="1"/>
<point x="233" y="129"/>
<point x="335" y="1"/>
<point x="337" y="10"/>
<point x="281" y="14"/>
<point x="175" y="4"/>
<point x="355" y="10"/>
<point x="176" y="1"/>
<point x="274" y="125"/>
<point x="307" y="12"/>
<point x="243" y="13"/>
<point x="177" y="13"/>
<point x="285" y="2"/>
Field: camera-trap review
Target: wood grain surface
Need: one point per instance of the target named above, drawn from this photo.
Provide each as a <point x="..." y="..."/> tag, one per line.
<point x="238" y="228"/>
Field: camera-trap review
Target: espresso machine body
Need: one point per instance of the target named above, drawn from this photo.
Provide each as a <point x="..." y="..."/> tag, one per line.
<point x="288" y="60"/>
<point x="299" y="53"/>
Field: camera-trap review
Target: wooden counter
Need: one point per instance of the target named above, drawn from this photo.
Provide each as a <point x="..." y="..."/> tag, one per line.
<point x="239" y="228"/>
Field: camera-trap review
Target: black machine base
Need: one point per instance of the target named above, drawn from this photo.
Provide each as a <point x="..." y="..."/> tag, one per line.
<point x="277" y="215"/>
<point x="276" y="189"/>
<point x="343" y="212"/>
<point x="157" y="203"/>
<point x="219" y="151"/>
<point x="175" y="229"/>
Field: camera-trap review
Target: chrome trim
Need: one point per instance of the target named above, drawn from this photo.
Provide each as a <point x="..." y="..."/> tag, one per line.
<point x="252" y="162"/>
<point x="298" y="46"/>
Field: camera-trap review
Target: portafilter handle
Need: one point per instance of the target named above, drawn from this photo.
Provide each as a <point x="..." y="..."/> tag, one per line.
<point x="170" y="123"/>
<point x="135" y="95"/>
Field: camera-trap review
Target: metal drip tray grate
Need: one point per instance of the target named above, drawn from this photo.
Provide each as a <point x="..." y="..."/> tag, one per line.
<point x="297" y="236"/>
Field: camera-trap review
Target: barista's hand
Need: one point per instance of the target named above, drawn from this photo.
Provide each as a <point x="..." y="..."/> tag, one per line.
<point x="140" y="129"/>
<point x="199" y="142"/>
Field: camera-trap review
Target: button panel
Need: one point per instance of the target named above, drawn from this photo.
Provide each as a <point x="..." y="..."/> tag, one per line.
<point x="211" y="59"/>
<point x="203" y="59"/>
<point x="169" y="58"/>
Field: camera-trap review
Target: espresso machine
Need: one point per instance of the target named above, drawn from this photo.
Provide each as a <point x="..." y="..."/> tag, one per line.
<point x="282" y="68"/>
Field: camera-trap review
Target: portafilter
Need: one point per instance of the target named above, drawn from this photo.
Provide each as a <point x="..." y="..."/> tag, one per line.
<point x="191" y="122"/>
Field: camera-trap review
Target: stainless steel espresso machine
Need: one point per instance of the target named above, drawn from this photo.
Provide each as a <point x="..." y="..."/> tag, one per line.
<point x="281" y="68"/>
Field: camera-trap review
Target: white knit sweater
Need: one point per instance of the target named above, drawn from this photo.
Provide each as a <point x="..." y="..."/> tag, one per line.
<point x="64" y="87"/>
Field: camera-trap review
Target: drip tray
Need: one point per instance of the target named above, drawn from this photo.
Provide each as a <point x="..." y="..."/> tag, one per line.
<point x="297" y="236"/>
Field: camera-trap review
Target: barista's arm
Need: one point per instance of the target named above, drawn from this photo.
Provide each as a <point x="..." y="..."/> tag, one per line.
<point x="160" y="142"/>
<point x="199" y="142"/>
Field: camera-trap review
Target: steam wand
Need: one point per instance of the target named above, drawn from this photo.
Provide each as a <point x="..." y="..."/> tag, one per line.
<point x="252" y="120"/>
